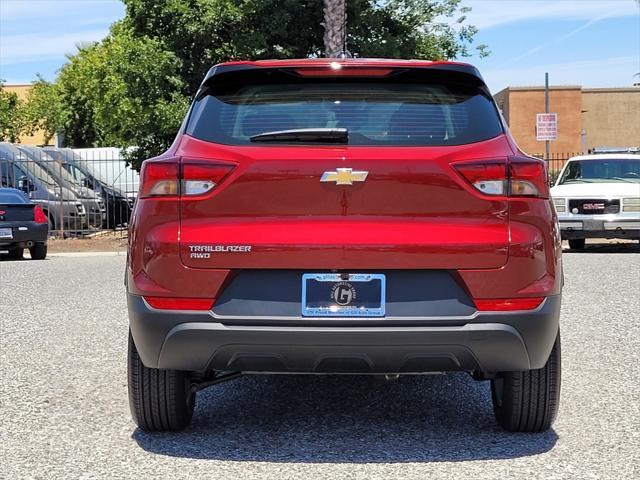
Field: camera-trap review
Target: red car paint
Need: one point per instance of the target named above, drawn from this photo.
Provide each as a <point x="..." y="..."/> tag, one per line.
<point x="415" y="211"/>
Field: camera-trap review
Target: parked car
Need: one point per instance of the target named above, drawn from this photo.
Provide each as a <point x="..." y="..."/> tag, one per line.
<point x="92" y="202"/>
<point x="108" y="165"/>
<point x="63" y="209"/>
<point x="23" y="224"/>
<point x="117" y="204"/>
<point x="344" y="216"/>
<point x="598" y="196"/>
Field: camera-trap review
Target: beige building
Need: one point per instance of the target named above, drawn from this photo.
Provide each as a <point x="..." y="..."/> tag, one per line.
<point x="22" y="91"/>
<point x="587" y="117"/>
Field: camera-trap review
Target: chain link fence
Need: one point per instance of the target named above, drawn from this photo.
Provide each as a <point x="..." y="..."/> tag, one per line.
<point x="81" y="191"/>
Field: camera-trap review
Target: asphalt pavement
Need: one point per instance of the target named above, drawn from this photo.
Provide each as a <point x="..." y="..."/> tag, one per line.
<point x="64" y="411"/>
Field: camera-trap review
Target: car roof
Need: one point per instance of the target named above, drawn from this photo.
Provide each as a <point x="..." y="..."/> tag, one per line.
<point x="14" y="191"/>
<point x="12" y="150"/>
<point x="228" y="67"/>
<point x="606" y="156"/>
<point x="8" y="147"/>
<point x="9" y="190"/>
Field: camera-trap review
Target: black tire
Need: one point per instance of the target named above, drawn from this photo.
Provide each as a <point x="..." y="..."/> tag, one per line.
<point x="38" y="251"/>
<point x="528" y="401"/>
<point x="160" y="400"/>
<point x="576" y="244"/>
<point x="16" y="253"/>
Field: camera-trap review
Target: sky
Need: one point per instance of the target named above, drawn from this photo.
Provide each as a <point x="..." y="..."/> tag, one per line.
<point x="594" y="43"/>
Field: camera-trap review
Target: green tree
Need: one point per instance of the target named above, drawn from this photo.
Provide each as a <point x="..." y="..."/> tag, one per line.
<point x="204" y="32"/>
<point x="133" y="87"/>
<point x="124" y="91"/>
<point x="10" y="122"/>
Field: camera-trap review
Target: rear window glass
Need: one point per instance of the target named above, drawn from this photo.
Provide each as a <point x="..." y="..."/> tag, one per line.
<point x="375" y="112"/>
<point x="9" y="197"/>
<point x="604" y="170"/>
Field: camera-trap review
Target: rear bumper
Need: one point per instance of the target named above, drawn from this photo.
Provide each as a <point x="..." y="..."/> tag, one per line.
<point x="488" y="342"/>
<point x="594" y="227"/>
<point x="618" y="233"/>
<point x="24" y="233"/>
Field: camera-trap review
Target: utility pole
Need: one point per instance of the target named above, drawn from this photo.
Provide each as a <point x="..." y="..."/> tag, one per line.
<point x="546" y="110"/>
<point x="335" y="28"/>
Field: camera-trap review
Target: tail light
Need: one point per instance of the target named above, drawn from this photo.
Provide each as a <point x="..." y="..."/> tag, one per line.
<point x="336" y="69"/>
<point x="188" y="178"/>
<point x="508" y="304"/>
<point x="488" y="178"/>
<point x="519" y="177"/>
<point x="159" y="179"/>
<point x="38" y="215"/>
<point x="201" y="177"/>
<point x="528" y="178"/>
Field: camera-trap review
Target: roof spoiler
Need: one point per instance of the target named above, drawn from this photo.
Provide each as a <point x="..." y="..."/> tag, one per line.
<point x="284" y="65"/>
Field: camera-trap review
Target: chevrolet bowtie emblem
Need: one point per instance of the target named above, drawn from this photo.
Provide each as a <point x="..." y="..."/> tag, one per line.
<point x="344" y="176"/>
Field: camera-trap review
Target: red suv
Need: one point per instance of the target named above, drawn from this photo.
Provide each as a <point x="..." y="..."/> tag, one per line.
<point x="344" y="216"/>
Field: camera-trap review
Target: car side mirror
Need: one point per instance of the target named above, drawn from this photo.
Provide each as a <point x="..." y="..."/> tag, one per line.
<point x="91" y="183"/>
<point x="25" y="184"/>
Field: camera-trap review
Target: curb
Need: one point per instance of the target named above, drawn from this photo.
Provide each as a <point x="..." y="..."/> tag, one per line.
<point x="88" y="254"/>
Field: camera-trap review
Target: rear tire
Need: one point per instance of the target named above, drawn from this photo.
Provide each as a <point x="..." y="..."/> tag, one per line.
<point x="16" y="253"/>
<point x="528" y="401"/>
<point x="38" y="251"/>
<point x="160" y="400"/>
<point x="576" y="244"/>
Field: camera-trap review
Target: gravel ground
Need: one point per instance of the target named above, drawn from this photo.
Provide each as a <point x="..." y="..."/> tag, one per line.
<point x="64" y="410"/>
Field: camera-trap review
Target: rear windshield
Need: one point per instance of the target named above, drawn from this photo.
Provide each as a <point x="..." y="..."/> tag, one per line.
<point x="12" y="197"/>
<point x="601" y="170"/>
<point x="375" y="112"/>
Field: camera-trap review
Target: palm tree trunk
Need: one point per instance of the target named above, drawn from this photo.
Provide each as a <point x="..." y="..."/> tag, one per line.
<point x="335" y="20"/>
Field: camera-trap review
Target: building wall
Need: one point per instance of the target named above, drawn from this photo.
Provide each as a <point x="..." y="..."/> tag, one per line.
<point x="611" y="117"/>
<point x="37" y="138"/>
<point x="608" y="117"/>
<point x="521" y="106"/>
<point x="502" y="99"/>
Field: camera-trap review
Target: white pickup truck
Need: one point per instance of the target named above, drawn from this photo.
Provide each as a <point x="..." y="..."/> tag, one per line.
<point x="598" y="196"/>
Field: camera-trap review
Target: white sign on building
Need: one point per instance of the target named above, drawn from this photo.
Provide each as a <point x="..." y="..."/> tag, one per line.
<point x="546" y="126"/>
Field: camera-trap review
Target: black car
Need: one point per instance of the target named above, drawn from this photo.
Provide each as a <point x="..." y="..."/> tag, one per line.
<point x="23" y="224"/>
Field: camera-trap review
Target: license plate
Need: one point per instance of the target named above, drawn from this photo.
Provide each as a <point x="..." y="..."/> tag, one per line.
<point x="593" y="225"/>
<point x="343" y="295"/>
<point x="6" y="233"/>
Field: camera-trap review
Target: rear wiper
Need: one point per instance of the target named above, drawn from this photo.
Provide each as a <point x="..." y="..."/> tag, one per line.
<point x="310" y="135"/>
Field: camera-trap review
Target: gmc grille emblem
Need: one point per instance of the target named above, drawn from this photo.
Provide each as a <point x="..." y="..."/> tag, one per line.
<point x="593" y="206"/>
